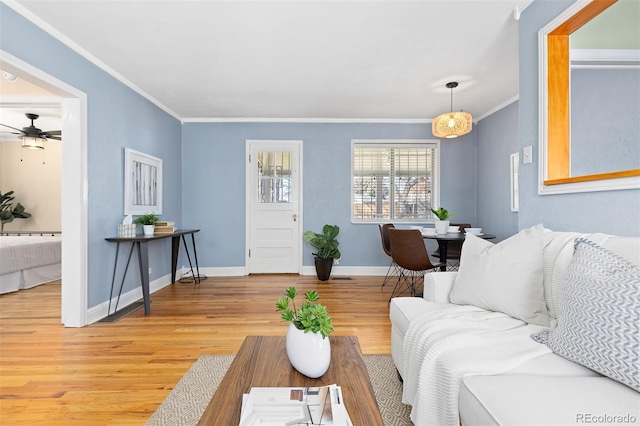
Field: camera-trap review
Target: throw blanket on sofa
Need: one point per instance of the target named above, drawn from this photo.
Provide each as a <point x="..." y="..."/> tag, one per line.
<point x="442" y="348"/>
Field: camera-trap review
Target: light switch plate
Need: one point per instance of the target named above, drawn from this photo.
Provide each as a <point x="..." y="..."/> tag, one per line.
<point x="527" y="154"/>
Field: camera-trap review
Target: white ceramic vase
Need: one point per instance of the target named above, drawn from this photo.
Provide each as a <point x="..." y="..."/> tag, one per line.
<point x="309" y="353"/>
<point x="148" y="229"/>
<point x="441" y="226"/>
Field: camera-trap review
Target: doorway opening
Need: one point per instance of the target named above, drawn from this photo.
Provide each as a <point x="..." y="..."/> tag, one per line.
<point x="73" y="105"/>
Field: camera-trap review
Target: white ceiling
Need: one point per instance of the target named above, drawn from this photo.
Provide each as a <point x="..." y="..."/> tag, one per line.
<point x="299" y="59"/>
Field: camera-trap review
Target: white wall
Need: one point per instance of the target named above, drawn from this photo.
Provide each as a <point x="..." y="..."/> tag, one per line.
<point x="36" y="186"/>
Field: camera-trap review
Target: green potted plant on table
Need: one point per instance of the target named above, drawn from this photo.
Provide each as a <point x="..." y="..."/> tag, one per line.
<point x="8" y="212"/>
<point x="148" y="222"/>
<point x="327" y="246"/>
<point x="307" y="345"/>
<point x="442" y="221"/>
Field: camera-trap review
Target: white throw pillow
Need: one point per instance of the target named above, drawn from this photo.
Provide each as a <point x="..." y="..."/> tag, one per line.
<point x="504" y="277"/>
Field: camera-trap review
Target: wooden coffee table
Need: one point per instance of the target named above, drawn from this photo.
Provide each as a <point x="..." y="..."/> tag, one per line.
<point x="262" y="361"/>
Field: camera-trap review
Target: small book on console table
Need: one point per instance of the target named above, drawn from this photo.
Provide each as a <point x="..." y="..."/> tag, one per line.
<point x="164" y="229"/>
<point x="294" y="406"/>
<point x="165" y="223"/>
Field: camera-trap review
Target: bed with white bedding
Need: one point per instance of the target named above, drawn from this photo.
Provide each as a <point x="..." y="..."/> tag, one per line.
<point x="28" y="261"/>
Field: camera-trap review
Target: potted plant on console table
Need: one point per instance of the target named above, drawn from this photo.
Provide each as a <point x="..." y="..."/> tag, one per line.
<point x="327" y="246"/>
<point x="148" y="222"/>
<point x="442" y="222"/>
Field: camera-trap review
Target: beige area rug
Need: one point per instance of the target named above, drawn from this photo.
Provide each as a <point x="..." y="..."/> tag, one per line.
<point x="188" y="400"/>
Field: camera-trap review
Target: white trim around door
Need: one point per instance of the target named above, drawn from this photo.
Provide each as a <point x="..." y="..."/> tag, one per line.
<point x="73" y="104"/>
<point x="273" y="206"/>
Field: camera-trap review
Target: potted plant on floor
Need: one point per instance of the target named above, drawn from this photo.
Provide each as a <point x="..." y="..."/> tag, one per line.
<point x="148" y="222"/>
<point x="327" y="246"/>
<point x="8" y="212"/>
<point x="307" y="345"/>
<point x="442" y="222"/>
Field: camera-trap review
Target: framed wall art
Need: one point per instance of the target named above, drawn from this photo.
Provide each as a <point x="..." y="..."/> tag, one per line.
<point x="142" y="183"/>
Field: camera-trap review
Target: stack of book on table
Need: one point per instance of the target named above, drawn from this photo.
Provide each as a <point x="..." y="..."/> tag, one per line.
<point x="165" y="227"/>
<point x="294" y="406"/>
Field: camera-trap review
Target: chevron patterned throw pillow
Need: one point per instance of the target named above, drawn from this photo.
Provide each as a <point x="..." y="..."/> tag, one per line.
<point x="599" y="318"/>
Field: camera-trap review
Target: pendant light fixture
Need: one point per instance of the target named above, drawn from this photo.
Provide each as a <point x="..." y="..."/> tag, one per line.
<point x="31" y="142"/>
<point x="452" y="124"/>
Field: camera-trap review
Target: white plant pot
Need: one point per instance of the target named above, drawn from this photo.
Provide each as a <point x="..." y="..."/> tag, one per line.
<point x="441" y="226"/>
<point x="309" y="353"/>
<point x="148" y="229"/>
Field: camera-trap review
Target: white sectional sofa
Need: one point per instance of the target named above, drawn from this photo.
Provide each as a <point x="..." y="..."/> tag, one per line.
<point x="522" y="335"/>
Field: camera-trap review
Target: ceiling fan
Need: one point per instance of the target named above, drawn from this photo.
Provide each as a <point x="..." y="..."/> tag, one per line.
<point x="31" y="136"/>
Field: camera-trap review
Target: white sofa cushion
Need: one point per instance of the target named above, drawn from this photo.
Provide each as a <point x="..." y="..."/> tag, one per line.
<point x="403" y="310"/>
<point x="553" y="365"/>
<point x="546" y="400"/>
<point x="504" y="277"/>
<point x="599" y="319"/>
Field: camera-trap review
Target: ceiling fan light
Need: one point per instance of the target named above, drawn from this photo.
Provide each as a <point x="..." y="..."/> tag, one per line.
<point x="31" y="142"/>
<point x="452" y="124"/>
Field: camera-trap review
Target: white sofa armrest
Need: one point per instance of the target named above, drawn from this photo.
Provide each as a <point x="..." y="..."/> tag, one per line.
<point x="438" y="285"/>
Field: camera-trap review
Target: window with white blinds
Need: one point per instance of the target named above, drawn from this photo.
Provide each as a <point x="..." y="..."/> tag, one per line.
<point x="393" y="180"/>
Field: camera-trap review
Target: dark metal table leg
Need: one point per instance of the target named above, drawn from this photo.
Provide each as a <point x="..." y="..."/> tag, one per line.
<point x="175" y="246"/>
<point x="143" y="259"/>
<point x="195" y="255"/>
<point x="186" y="249"/>
<point x="113" y="279"/>
<point x="443" y="253"/>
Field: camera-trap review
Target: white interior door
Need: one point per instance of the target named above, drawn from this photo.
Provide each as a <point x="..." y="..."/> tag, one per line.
<point x="274" y="204"/>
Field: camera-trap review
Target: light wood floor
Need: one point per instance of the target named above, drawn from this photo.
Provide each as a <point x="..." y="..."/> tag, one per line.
<point x="119" y="373"/>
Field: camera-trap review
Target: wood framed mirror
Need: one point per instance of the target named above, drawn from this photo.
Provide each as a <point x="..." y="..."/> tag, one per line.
<point x="562" y="166"/>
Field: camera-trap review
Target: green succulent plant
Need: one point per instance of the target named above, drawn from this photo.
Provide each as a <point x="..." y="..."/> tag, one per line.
<point x="442" y="213"/>
<point x="310" y="317"/>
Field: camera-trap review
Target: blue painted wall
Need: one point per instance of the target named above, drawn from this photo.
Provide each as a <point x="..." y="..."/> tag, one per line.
<point x="615" y="212"/>
<point x="117" y="118"/>
<point x="214" y="183"/>
<point x="497" y="140"/>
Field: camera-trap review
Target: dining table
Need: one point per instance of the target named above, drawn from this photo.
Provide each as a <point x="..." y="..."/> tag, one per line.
<point x="444" y="239"/>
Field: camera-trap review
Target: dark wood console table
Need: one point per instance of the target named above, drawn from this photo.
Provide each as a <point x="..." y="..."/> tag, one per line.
<point x="141" y="243"/>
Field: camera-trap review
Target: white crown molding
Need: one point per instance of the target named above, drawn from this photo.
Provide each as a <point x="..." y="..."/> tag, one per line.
<point x="88" y="56"/>
<point x="605" y="58"/>
<point x="497" y="108"/>
<point x="305" y="120"/>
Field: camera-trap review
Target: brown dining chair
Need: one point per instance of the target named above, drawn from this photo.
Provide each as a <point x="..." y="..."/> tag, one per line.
<point x="454" y="248"/>
<point x="410" y="253"/>
<point x="394" y="269"/>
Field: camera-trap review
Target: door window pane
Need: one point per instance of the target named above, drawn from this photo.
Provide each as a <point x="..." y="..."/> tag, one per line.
<point x="274" y="177"/>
